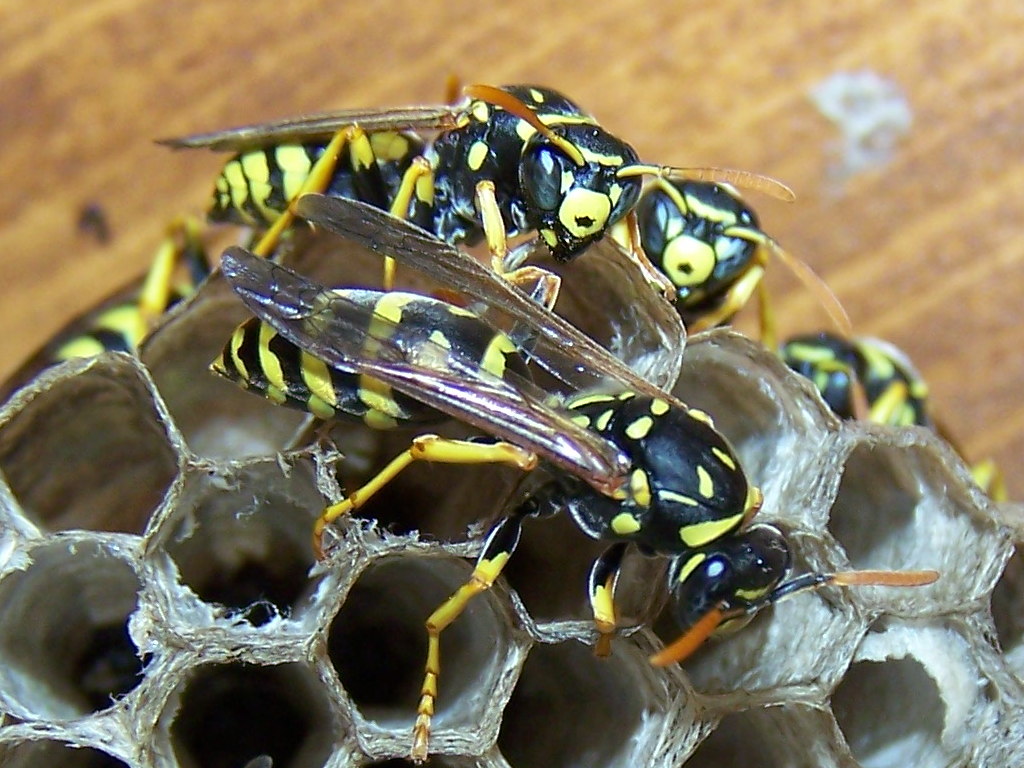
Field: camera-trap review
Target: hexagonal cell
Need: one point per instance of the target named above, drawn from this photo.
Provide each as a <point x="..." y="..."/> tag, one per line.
<point x="908" y="697"/>
<point x="898" y="508"/>
<point x="64" y="646"/>
<point x="216" y="417"/>
<point x="787" y="736"/>
<point x="225" y="715"/>
<point x="752" y="398"/>
<point x="1007" y="613"/>
<point x="46" y="753"/>
<point x="378" y="646"/>
<point x="550" y="569"/>
<point x="437" y="761"/>
<point x="572" y="709"/>
<point x="90" y="451"/>
<point x="241" y="537"/>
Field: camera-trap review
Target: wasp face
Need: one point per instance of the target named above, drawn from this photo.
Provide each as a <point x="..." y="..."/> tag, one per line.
<point x="573" y="204"/>
<point x="730" y="573"/>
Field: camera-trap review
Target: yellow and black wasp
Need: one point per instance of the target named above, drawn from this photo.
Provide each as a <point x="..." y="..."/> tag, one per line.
<point x="120" y="323"/>
<point x="503" y="161"/>
<point x="848" y="371"/>
<point x="709" y="243"/>
<point x="630" y="463"/>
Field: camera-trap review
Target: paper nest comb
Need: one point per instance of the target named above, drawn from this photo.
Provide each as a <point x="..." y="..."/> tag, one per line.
<point x="157" y="606"/>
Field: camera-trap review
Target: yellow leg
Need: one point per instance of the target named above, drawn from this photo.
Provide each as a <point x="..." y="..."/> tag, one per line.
<point x="424" y="448"/>
<point x="628" y="236"/>
<point x="735" y="299"/>
<point x="501" y="543"/>
<point x="604" y="575"/>
<point x="419" y="172"/>
<point x="888" y="404"/>
<point x="990" y="479"/>
<point x="318" y="180"/>
<point x="182" y="240"/>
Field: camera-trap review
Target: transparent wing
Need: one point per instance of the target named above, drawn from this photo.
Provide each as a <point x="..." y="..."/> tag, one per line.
<point x="330" y="326"/>
<point x="558" y="346"/>
<point x="318" y="127"/>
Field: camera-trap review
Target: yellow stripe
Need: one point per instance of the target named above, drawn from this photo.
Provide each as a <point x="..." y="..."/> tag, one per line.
<point x="295" y="166"/>
<point x="678" y="498"/>
<point x="586" y="400"/>
<point x="236" y="182"/>
<point x="699" y="534"/>
<point x="237" y="339"/>
<point x="317" y="376"/>
<point x="699" y="415"/>
<point x="256" y="170"/>
<point x="495" y="356"/>
<point x="602" y="420"/>
<point x="723" y="457"/>
<point x="377" y="396"/>
<point x="269" y="363"/>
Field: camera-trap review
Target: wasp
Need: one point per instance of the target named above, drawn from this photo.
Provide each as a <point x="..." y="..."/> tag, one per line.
<point x="894" y="392"/>
<point x="120" y="323"/>
<point x="502" y="161"/>
<point x="629" y="462"/>
<point x="708" y="241"/>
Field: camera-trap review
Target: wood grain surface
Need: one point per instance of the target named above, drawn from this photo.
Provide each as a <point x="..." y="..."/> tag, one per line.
<point x="923" y="246"/>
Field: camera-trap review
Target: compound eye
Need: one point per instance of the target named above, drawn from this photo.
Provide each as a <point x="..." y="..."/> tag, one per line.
<point x="541" y="177"/>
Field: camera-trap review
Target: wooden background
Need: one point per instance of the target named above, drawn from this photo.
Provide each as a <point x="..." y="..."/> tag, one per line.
<point x="925" y="249"/>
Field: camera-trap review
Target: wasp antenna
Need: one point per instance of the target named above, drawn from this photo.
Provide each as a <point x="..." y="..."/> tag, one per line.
<point x="883" y="578"/>
<point x="755" y="182"/>
<point x="691" y="640"/>
<point x="514" y="106"/>
<point x="822" y="292"/>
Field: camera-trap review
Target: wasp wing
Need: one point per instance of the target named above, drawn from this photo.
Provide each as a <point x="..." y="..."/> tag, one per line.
<point x="561" y="348"/>
<point x="318" y="127"/>
<point x="327" y="325"/>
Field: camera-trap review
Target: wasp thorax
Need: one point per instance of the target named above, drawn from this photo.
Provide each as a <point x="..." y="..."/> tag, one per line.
<point x="731" y="573"/>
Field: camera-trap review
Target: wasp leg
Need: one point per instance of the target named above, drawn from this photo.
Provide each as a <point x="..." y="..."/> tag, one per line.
<point x="604" y="575"/>
<point x="888" y="406"/>
<point x="501" y="543"/>
<point x="180" y="247"/>
<point x="545" y="285"/>
<point x="417" y="186"/>
<point x="628" y="236"/>
<point x="734" y="300"/>
<point x="424" y="448"/>
<point x="319" y="179"/>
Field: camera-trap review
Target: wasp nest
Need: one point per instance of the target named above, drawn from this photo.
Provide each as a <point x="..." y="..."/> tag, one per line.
<point x="161" y="605"/>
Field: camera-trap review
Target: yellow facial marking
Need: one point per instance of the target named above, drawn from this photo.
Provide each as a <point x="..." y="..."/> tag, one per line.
<point x="688" y="261"/>
<point x="751" y="594"/>
<point x="659" y="407"/>
<point x="702" y="416"/>
<point x="476" y="156"/>
<point x="640" y="487"/>
<point x="295" y="166"/>
<point x="689" y="566"/>
<point x="705" y="485"/>
<point x="709" y="212"/>
<point x="723" y="457"/>
<point x="624" y="524"/>
<point x="699" y="534"/>
<point x="614" y="193"/>
<point x="640" y="428"/>
<point x="584" y="212"/>
<point x="549" y="237"/>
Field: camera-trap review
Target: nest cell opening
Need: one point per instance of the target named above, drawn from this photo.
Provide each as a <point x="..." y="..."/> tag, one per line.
<point x="570" y="708"/>
<point x="378" y="643"/>
<point x="65" y="651"/>
<point x="248" y="547"/>
<point x="90" y="452"/>
<point x="47" y="753"/>
<point x="216" y="417"/>
<point x="230" y="714"/>
<point x="891" y="714"/>
<point x="897" y="508"/>
<point x="1007" y="598"/>
<point x="775" y="737"/>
